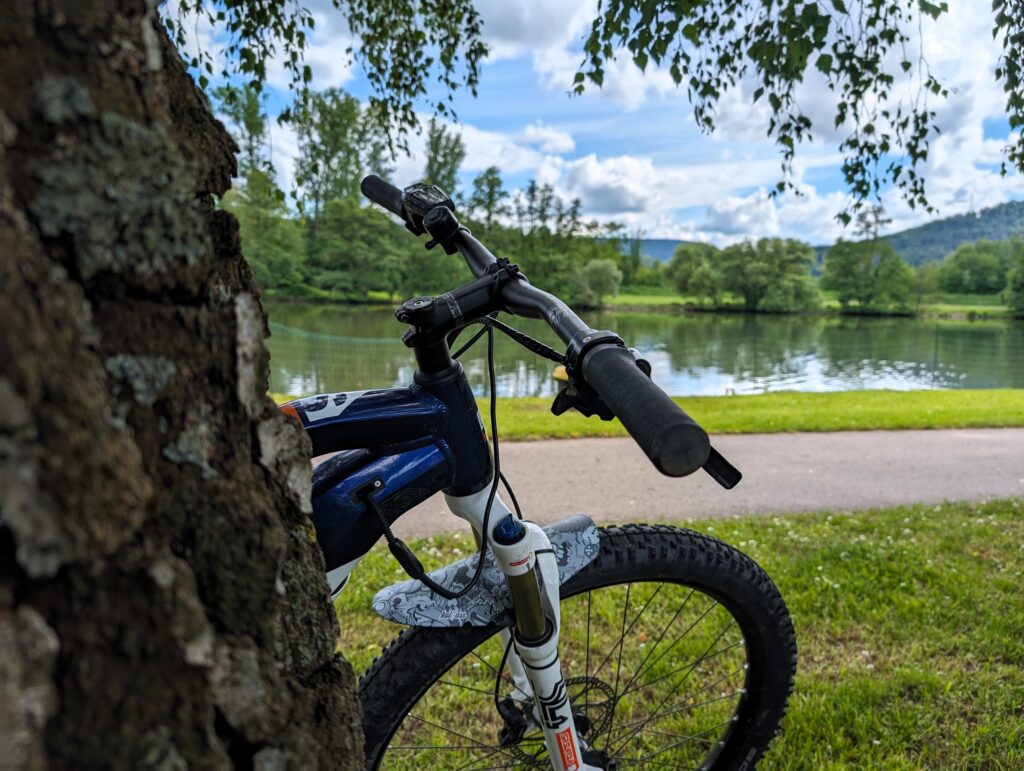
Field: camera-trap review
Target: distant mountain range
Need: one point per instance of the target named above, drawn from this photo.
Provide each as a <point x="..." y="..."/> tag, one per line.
<point x="935" y="240"/>
<point x="927" y="243"/>
<point x="659" y="249"/>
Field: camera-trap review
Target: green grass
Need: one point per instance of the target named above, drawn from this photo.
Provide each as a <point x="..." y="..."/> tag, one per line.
<point x="663" y="298"/>
<point x="909" y="622"/>
<point x="657" y="299"/>
<point x="531" y="418"/>
<point x="528" y="418"/>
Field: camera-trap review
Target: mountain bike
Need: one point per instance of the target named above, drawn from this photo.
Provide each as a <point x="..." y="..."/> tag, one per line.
<point x="568" y="646"/>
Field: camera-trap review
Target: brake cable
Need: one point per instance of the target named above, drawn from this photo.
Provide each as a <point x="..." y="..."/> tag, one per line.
<point x="531" y="344"/>
<point x="401" y="551"/>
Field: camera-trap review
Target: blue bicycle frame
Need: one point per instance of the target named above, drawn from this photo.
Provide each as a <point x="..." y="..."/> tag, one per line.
<point x="398" y="446"/>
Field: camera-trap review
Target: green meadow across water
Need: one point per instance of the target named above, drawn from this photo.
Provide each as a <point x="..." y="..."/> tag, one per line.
<point x="318" y="348"/>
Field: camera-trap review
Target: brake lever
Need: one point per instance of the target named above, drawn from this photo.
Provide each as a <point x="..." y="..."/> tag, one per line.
<point x="583" y="399"/>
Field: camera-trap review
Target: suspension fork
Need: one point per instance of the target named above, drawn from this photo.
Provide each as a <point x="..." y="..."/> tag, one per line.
<point x="524" y="555"/>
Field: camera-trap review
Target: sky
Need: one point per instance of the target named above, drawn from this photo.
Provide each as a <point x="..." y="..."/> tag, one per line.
<point x="631" y="150"/>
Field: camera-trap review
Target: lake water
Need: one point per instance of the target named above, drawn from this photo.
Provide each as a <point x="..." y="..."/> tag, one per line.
<point x="316" y="349"/>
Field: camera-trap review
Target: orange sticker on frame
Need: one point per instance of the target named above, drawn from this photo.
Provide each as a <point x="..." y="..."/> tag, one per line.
<point x="567" y="750"/>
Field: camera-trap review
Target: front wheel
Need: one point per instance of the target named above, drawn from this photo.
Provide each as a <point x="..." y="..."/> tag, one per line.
<point x="677" y="651"/>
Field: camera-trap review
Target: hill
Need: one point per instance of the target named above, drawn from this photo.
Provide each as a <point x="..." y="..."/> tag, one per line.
<point x="926" y="243"/>
<point x="658" y="249"/>
<point x="935" y="240"/>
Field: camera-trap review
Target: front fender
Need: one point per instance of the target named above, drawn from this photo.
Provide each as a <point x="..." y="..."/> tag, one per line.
<point x="575" y="544"/>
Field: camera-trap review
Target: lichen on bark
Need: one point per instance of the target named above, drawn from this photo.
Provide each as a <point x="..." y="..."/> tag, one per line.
<point x="161" y="602"/>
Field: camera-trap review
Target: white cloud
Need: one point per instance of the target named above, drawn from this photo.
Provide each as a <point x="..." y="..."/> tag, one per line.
<point x="742" y="217"/>
<point x="531" y="25"/>
<point x="325" y="53"/>
<point x="548" y="138"/>
<point x="612" y="186"/>
<point x="483" y="149"/>
<point x="624" y="85"/>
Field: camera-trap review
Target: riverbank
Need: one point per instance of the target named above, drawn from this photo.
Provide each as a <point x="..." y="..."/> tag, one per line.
<point x="906" y="621"/>
<point x="663" y="300"/>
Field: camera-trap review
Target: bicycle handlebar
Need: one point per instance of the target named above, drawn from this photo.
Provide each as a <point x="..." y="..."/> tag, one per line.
<point x="382" y="192"/>
<point x="676" y="445"/>
<point x="673" y="441"/>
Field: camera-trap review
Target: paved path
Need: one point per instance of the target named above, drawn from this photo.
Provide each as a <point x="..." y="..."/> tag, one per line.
<point x="612" y="481"/>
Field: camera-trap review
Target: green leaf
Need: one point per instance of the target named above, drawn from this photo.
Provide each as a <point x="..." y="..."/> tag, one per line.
<point x="824" y="63"/>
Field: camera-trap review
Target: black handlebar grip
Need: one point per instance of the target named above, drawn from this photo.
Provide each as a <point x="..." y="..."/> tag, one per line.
<point x="382" y="192"/>
<point x="676" y="445"/>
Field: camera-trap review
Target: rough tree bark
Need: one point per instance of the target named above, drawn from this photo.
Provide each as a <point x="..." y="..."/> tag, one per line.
<point x="162" y="600"/>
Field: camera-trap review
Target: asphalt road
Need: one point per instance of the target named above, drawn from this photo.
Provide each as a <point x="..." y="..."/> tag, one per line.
<point x="612" y="481"/>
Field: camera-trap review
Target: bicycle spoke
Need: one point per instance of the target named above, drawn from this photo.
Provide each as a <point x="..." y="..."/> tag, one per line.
<point x="618" y="665"/>
<point x="646" y="763"/>
<point x="471" y="765"/>
<point x="633" y="623"/>
<point x="470" y="739"/>
<point x="675" y="642"/>
<point x="687" y="739"/>
<point x="686" y="666"/>
<point x="439" y="747"/>
<point x="644" y="724"/>
<point x="586" y="686"/>
<point x="466" y="687"/>
<point x="674" y="688"/>
<point x="503" y="676"/>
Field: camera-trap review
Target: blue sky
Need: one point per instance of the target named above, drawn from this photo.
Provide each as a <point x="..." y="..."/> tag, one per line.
<point x="632" y="152"/>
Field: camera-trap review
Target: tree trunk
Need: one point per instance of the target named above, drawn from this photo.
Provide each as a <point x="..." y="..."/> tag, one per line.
<point x="162" y="598"/>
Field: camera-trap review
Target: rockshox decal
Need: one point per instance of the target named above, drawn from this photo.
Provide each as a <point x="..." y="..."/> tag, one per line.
<point x="567" y="750"/>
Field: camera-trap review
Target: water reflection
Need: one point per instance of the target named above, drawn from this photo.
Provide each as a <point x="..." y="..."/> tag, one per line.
<point x="325" y="348"/>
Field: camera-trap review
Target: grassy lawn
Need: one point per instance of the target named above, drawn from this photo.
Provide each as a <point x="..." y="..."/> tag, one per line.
<point x="531" y="418"/>
<point x="637" y="300"/>
<point x="909" y="622"/>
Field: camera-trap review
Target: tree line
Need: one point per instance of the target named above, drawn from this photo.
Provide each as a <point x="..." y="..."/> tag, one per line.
<point x="335" y="246"/>
<point x="866" y="276"/>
